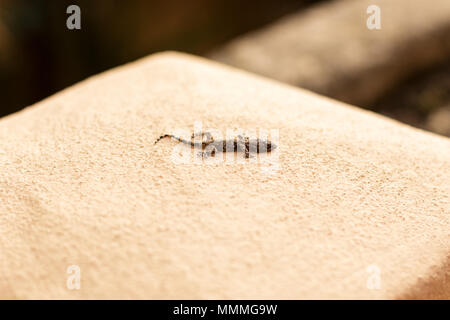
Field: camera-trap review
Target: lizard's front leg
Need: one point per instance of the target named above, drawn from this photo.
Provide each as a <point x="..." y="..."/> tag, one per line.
<point x="206" y="137"/>
<point x="243" y="145"/>
<point x="210" y="151"/>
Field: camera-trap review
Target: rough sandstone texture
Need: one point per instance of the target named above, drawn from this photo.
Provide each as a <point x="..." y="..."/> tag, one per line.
<point x="81" y="183"/>
<point x="330" y="50"/>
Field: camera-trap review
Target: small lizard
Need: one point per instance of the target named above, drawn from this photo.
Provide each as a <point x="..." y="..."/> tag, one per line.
<point x="210" y="147"/>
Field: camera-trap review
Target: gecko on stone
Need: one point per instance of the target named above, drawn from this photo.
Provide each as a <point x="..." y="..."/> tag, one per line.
<point x="210" y="147"/>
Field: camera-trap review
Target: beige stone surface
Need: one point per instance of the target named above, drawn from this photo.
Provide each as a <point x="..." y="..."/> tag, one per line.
<point x="329" y="49"/>
<point x="81" y="183"/>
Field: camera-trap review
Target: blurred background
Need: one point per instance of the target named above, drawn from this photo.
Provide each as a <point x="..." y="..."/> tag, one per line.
<point x="402" y="70"/>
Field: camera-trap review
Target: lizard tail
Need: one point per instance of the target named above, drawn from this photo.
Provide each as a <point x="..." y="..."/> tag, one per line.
<point x="173" y="137"/>
<point x="163" y="136"/>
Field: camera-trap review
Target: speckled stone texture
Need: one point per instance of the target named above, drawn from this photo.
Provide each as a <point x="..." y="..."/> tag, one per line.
<point x="81" y="183"/>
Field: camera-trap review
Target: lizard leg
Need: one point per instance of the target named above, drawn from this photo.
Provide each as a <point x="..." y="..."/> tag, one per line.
<point x="203" y="135"/>
<point x="244" y="146"/>
<point x="210" y="151"/>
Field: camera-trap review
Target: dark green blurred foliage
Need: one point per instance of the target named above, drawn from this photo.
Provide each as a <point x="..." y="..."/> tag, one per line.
<point x="39" y="55"/>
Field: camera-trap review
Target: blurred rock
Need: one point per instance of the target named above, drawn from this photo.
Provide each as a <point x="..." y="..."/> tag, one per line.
<point x="439" y="121"/>
<point x="330" y="50"/>
<point x="348" y="197"/>
<point x="414" y="100"/>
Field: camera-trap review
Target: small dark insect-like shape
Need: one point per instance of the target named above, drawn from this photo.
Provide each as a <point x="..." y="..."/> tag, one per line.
<point x="210" y="147"/>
